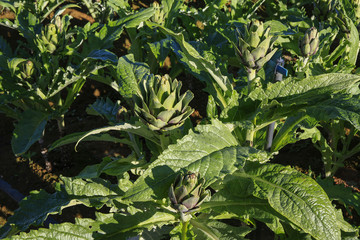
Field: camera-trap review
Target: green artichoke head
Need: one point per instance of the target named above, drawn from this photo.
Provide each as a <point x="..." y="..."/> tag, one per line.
<point x="159" y="16"/>
<point x="160" y="105"/>
<point x="255" y="45"/>
<point x="28" y="69"/>
<point x="50" y="37"/>
<point x="309" y="44"/>
<point x="188" y="193"/>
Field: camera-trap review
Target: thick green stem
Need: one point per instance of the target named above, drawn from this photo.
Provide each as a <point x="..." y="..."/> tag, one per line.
<point x="251" y="76"/>
<point x="184" y="230"/>
<point x="300" y="71"/>
<point x="164" y="141"/>
<point x="250" y="133"/>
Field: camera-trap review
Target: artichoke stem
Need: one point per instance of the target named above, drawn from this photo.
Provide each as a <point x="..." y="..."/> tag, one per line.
<point x="250" y="138"/>
<point x="164" y="141"/>
<point x="251" y="76"/>
<point x="184" y="230"/>
<point x="306" y="59"/>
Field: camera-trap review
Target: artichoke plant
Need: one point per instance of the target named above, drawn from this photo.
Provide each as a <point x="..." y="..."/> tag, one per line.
<point x="309" y="44"/>
<point x="255" y="46"/>
<point x="187" y="193"/>
<point x="160" y="105"/>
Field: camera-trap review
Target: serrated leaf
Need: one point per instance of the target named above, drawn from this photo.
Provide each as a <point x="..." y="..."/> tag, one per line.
<point x="105" y="108"/>
<point x="234" y="199"/>
<point x="124" y="226"/>
<point x="339" y="107"/>
<point x="341" y="193"/>
<point x="33" y="210"/>
<point x="216" y="230"/>
<point x="103" y="55"/>
<point x="296" y="197"/>
<point x="113" y="29"/>
<point x="83" y="229"/>
<point x="91" y="192"/>
<point x="307" y="89"/>
<point x="130" y="73"/>
<point x="28" y="130"/>
<point x="110" y="166"/>
<point x="211" y="151"/>
<point x="160" y="49"/>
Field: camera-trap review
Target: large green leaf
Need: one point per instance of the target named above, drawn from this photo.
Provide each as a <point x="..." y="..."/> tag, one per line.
<point x="113" y="29"/>
<point x="105" y="108"/>
<point x="33" y="210"/>
<point x="216" y="230"/>
<point x="211" y="151"/>
<point x="130" y="73"/>
<point x="28" y="130"/>
<point x="82" y="230"/>
<point x="295" y="196"/>
<point x="305" y="90"/>
<point x="235" y="199"/>
<point x="341" y="193"/>
<point x="106" y="226"/>
<point x="121" y="226"/>
<point x="340" y="107"/>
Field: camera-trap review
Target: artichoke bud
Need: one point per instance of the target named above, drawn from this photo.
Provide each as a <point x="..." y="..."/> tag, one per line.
<point x="254" y="39"/>
<point x="50" y="30"/>
<point x="187" y="193"/>
<point x="54" y="39"/>
<point x="160" y="105"/>
<point x="44" y="39"/>
<point x="59" y="24"/>
<point x="254" y="46"/>
<point x="256" y="26"/>
<point x="159" y="16"/>
<point x="51" y="48"/>
<point x="309" y="44"/>
<point x="29" y="68"/>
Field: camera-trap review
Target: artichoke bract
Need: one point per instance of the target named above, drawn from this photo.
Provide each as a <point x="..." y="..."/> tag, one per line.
<point x="187" y="193"/>
<point x="254" y="46"/>
<point x="309" y="44"/>
<point x="160" y="105"/>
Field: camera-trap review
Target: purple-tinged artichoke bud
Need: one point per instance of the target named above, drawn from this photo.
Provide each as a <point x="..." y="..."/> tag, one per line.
<point x="160" y="105"/>
<point x="309" y="44"/>
<point x="28" y="69"/>
<point x="187" y="193"/>
<point x="254" y="47"/>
